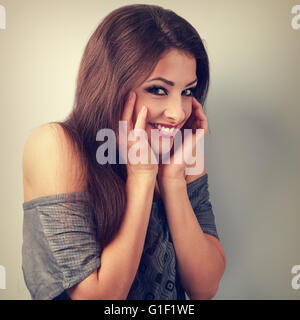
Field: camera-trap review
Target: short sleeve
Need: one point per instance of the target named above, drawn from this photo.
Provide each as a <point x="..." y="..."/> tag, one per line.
<point x="60" y="246"/>
<point x="199" y="197"/>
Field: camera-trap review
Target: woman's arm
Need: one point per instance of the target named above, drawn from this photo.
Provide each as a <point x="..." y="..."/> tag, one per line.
<point x="121" y="257"/>
<point x="47" y="168"/>
<point x="200" y="257"/>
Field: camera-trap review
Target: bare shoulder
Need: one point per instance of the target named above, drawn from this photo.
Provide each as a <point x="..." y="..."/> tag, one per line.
<point x="50" y="164"/>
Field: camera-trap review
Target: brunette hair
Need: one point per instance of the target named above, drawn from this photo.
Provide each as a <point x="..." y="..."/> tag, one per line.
<point x="121" y="54"/>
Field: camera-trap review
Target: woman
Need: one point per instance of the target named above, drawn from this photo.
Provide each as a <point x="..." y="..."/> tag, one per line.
<point x="123" y="231"/>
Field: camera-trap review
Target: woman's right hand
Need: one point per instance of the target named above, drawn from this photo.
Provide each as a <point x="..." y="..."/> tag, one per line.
<point x="137" y="143"/>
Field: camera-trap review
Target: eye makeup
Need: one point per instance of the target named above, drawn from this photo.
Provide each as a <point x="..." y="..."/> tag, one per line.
<point x="161" y="91"/>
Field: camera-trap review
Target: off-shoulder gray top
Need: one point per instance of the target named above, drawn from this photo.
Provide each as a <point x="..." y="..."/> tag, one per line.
<point x="60" y="247"/>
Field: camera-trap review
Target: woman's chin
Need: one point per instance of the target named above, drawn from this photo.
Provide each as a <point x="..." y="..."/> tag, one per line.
<point x="162" y="149"/>
<point x="160" y="145"/>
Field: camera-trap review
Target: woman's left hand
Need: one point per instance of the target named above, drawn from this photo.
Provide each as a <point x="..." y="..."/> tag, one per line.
<point x="197" y="120"/>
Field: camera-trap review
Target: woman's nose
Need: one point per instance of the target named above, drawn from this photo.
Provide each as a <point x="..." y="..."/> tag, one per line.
<point x="174" y="111"/>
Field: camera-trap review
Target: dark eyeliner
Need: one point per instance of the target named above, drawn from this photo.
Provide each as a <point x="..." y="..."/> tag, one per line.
<point x="153" y="90"/>
<point x="193" y="89"/>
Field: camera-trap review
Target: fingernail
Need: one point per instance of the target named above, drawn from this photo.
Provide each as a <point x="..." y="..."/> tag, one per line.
<point x="143" y="110"/>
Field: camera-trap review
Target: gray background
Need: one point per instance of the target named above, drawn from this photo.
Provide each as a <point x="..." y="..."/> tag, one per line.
<point x="252" y="151"/>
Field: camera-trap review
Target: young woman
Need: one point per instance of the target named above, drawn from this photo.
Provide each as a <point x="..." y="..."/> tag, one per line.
<point x="123" y="230"/>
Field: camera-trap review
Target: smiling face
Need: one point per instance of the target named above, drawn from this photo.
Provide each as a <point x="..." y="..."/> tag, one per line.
<point x="167" y="94"/>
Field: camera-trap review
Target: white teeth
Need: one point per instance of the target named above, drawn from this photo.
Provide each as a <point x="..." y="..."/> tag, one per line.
<point x="160" y="127"/>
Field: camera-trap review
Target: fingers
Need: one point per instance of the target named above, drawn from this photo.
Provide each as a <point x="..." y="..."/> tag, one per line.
<point x="197" y="106"/>
<point x="141" y="119"/>
<point x="194" y="154"/>
<point x="128" y="113"/>
<point x="200" y="116"/>
<point x="128" y="110"/>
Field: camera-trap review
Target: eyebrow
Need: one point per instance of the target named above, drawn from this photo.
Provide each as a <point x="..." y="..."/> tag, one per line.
<point x="171" y="83"/>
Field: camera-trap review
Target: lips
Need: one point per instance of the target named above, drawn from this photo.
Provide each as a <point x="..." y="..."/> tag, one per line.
<point x="166" y="125"/>
<point x="164" y="130"/>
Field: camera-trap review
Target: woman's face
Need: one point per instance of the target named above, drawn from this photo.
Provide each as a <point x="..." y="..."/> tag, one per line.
<point x="167" y="94"/>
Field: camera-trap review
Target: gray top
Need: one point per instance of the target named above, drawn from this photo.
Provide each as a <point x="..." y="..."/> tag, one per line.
<point x="60" y="247"/>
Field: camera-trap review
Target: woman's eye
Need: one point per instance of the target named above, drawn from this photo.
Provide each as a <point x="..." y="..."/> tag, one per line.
<point x="189" y="92"/>
<point x="157" y="91"/>
<point x="160" y="91"/>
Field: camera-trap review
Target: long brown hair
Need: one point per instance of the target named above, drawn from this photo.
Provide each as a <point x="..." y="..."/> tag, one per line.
<point x="119" y="56"/>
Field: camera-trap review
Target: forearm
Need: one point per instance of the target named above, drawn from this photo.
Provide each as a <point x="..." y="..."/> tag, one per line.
<point x="200" y="263"/>
<point x="121" y="257"/>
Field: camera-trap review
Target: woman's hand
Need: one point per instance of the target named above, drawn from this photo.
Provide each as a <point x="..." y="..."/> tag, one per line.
<point x="138" y="153"/>
<point x="187" y="150"/>
<point x="197" y="119"/>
